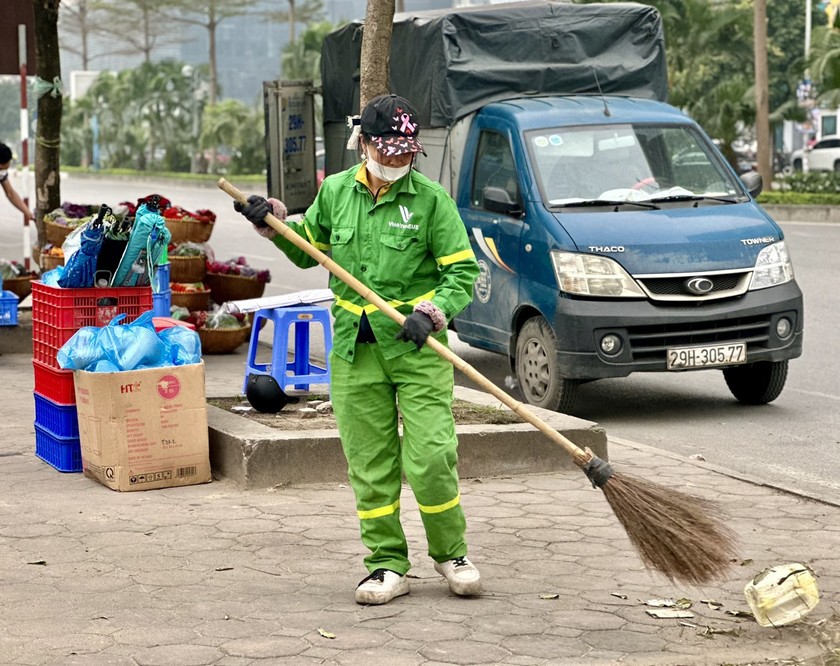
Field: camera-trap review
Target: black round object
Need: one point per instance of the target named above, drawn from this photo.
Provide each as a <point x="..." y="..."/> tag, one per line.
<point x="265" y="394"/>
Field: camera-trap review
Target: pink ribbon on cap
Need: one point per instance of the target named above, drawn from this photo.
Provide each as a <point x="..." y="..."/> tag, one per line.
<point x="407" y="127"/>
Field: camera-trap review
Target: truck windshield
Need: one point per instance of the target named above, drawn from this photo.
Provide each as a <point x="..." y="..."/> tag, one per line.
<point x="644" y="163"/>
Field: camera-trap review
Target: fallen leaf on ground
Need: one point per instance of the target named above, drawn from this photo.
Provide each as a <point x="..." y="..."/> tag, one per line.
<point x="549" y="596"/>
<point x="325" y="633"/>
<point x="669" y="613"/>
<point x="618" y="594"/>
<point x="661" y="603"/>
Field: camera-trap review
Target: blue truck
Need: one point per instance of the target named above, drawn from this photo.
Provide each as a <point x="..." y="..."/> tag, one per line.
<point x="612" y="235"/>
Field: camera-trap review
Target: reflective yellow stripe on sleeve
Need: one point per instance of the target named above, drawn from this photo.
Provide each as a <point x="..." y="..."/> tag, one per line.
<point x="358" y="309"/>
<point x="440" y="508"/>
<point x="321" y="246"/>
<point x="463" y="255"/>
<point x="379" y="512"/>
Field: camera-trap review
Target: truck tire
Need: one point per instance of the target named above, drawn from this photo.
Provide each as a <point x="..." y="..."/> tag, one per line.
<point x="536" y="368"/>
<point x="757" y="383"/>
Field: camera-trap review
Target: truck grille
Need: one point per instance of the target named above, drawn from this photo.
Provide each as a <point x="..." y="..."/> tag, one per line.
<point x="650" y="342"/>
<point x="674" y="287"/>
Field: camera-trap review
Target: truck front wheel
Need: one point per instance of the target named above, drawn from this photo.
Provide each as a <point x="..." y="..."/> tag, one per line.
<point x="757" y="383"/>
<point x="536" y="368"/>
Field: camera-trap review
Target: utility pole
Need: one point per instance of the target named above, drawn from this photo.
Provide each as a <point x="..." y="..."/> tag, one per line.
<point x="762" y="94"/>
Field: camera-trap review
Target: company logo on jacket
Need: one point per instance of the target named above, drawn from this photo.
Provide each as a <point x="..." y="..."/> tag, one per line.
<point x="406" y="216"/>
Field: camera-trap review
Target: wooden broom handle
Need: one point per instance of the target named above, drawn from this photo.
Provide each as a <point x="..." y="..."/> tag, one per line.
<point x="581" y="457"/>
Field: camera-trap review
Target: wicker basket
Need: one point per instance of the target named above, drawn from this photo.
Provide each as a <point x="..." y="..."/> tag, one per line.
<point x="187" y="269"/>
<point x="192" y="300"/>
<point x="224" y="288"/>
<point x="186" y="230"/>
<point x="56" y="233"/>
<point x="222" y="340"/>
<point x="19" y="286"/>
<point x="49" y="261"/>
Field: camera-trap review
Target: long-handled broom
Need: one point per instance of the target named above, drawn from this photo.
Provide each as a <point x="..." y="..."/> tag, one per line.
<point x="680" y="535"/>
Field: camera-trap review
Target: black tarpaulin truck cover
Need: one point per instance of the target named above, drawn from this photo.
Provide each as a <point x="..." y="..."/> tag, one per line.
<point x="450" y="62"/>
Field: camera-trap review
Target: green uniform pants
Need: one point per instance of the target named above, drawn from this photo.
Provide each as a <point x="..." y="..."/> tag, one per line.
<point x="364" y="396"/>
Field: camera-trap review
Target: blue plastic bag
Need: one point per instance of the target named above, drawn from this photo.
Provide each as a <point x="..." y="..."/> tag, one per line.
<point x="133" y="346"/>
<point x="81" y="350"/>
<point x="182" y="344"/>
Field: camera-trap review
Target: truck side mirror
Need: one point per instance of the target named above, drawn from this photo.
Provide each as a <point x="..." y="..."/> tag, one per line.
<point x="752" y="179"/>
<point x="498" y="200"/>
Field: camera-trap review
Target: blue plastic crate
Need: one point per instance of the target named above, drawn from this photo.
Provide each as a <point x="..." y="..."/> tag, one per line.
<point x="162" y="303"/>
<point x="58" y="420"/>
<point x="163" y="272"/>
<point x="63" y="453"/>
<point x="8" y="308"/>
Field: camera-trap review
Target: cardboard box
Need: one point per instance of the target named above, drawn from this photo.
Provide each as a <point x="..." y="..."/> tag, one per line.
<point x="144" y="429"/>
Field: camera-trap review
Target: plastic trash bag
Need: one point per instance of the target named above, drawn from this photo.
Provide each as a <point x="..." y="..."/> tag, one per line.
<point x="183" y="345"/>
<point x="133" y="346"/>
<point x="51" y="278"/>
<point x="73" y="241"/>
<point x="81" y="350"/>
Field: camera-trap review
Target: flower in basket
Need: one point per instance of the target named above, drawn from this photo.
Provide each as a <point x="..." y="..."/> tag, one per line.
<point x="188" y="287"/>
<point x="163" y="202"/>
<point x="178" y="213"/>
<point x="240" y="267"/>
<point x="188" y="249"/>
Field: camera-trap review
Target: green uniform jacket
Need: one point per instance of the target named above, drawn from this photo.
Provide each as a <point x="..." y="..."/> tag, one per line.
<point x="409" y="246"/>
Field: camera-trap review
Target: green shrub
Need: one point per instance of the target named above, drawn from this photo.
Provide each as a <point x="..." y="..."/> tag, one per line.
<point x="799" y="198"/>
<point x="815" y="183"/>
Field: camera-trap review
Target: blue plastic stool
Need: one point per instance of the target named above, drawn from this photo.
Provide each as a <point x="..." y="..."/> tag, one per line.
<point x="299" y="373"/>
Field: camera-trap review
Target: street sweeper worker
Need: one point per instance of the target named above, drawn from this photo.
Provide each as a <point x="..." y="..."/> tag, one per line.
<point x="400" y="234"/>
<point x="11" y="194"/>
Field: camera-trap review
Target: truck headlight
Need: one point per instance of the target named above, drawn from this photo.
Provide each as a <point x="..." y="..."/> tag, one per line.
<point x="593" y="275"/>
<point x="772" y="267"/>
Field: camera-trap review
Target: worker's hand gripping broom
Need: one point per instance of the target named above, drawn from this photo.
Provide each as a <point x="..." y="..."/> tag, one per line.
<point x="679" y="535"/>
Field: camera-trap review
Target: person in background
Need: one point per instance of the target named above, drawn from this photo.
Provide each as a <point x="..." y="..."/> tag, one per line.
<point x="401" y="235"/>
<point x="11" y="194"/>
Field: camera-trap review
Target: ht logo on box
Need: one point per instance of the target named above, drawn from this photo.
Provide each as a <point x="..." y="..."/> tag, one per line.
<point x="133" y="387"/>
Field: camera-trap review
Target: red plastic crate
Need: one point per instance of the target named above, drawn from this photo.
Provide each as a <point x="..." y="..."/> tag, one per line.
<point x="58" y="313"/>
<point x="55" y="385"/>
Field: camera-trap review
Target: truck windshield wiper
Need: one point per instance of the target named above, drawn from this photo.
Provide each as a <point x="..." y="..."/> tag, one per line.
<point x="695" y="197"/>
<point x="606" y="202"/>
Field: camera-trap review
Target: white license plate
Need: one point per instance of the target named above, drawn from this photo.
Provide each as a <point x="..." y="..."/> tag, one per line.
<point x="707" y="356"/>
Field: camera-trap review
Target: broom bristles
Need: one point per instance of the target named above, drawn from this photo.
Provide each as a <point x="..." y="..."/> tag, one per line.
<point x="680" y="535"/>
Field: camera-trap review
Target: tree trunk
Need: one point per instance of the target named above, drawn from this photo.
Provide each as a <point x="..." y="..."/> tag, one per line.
<point x="291" y="21"/>
<point x="376" y="50"/>
<point x="48" y="134"/>
<point x="212" y="24"/>
<point x="762" y="94"/>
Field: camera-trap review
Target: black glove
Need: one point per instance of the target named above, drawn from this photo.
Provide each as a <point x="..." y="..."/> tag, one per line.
<point x="256" y="210"/>
<point x="416" y="328"/>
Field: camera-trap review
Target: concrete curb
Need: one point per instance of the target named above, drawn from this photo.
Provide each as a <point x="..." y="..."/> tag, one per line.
<point x="255" y="456"/>
<point x="782" y="213"/>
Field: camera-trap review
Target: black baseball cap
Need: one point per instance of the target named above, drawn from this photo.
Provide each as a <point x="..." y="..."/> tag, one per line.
<point x="391" y="123"/>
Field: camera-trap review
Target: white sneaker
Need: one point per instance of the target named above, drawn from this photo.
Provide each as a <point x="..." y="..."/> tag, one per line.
<point x="462" y="576"/>
<point x="380" y="587"/>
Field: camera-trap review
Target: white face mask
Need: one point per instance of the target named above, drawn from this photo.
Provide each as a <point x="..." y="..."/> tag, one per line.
<point x="386" y="173"/>
<point x="3" y="173"/>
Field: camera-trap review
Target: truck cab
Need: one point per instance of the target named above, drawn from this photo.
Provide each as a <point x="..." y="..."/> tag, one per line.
<point x="611" y="234"/>
<point x="614" y="238"/>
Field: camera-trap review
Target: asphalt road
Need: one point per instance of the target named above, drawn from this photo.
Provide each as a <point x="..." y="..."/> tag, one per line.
<point x="791" y="442"/>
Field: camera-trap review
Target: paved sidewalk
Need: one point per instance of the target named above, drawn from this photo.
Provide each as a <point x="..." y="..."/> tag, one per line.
<point x="210" y="574"/>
